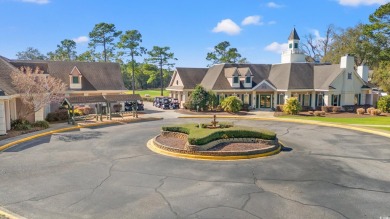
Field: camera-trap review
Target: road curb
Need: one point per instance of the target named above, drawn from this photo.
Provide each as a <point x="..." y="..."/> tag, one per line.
<point x="157" y="150"/>
<point x="11" y="144"/>
<point x="384" y="134"/>
<point x="9" y="214"/>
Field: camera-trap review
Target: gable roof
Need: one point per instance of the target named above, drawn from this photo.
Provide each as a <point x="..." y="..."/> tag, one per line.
<point x="96" y="75"/>
<point x="5" y="77"/>
<point x="293" y="35"/>
<point x="324" y="75"/>
<point x="191" y="76"/>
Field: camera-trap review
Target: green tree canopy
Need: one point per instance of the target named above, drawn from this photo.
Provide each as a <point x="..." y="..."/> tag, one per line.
<point x="223" y="54"/>
<point x="30" y="54"/>
<point x="131" y="41"/>
<point x="162" y="57"/>
<point x="104" y="34"/>
<point x="65" y="51"/>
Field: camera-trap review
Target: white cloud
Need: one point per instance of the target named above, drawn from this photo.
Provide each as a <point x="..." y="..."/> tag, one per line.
<point x="81" y="39"/>
<point x="227" y="26"/>
<point x="274" y="5"/>
<point x="362" y="2"/>
<point x="276" y="47"/>
<point x="255" y="20"/>
<point x="41" y="2"/>
<point x="317" y="35"/>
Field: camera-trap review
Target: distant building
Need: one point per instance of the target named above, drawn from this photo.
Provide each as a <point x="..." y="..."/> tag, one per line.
<point x="83" y="79"/>
<point x="263" y="86"/>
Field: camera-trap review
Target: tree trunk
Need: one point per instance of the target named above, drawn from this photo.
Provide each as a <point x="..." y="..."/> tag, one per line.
<point x="161" y="78"/>
<point x="132" y="66"/>
<point x="104" y="49"/>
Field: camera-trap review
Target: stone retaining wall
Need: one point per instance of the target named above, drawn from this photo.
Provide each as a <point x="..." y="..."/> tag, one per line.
<point x="202" y="149"/>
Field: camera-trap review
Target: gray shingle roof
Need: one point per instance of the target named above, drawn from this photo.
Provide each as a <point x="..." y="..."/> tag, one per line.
<point x="293" y="35"/>
<point x="96" y="75"/>
<point x="191" y="76"/>
<point x="286" y="76"/>
<point x="5" y="77"/>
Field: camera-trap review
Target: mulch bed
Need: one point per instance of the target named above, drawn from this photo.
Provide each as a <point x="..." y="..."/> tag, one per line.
<point x="238" y="147"/>
<point x="172" y="142"/>
<point x="189" y="112"/>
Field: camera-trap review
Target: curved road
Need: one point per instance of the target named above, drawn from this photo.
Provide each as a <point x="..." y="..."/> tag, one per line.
<point x="108" y="172"/>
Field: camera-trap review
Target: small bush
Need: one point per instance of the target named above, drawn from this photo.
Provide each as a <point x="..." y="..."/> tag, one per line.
<point x="20" y="124"/>
<point x="327" y="109"/>
<point x="360" y="111"/>
<point x="59" y="115"/>
<point x="336" y="109"/>
<point x="279" y="108"/>
<point x="41" y="124"/>
<point x="219" y="108"/>
<point x="231" y="104"/>
<point x="376" y="112"/>
<point x="369" y="110"/>
<point x="384" y="104"/>
<point x="292" y="106"/>
<point x="246" y="107"/>
<point x="319" y="113"/>
<point x="222" y="125"/>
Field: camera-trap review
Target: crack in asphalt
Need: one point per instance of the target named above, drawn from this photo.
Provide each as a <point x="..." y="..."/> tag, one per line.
<point x="287" y="131"/>
<point x="222" y="206"/>
<point x="332" y="183"/>
<point x="185" y="178"/>
<point x="36" y="199"/>
<point x="163" y="197"/>
<point x="305" y="204"/>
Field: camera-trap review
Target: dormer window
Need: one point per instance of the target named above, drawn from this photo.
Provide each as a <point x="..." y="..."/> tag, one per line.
<point x="235" y="79"/>
<point x="75" y="79"/>
<point x="248" y="79"/>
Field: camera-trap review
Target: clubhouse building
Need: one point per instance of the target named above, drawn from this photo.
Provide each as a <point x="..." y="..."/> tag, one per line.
<point x="264" y="86"/>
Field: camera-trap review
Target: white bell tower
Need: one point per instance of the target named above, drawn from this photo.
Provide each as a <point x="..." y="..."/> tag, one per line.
<point x="293" y="53"/>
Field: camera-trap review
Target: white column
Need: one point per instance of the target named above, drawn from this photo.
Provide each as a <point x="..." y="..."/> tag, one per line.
<point x="327" y="99"/>
<point x="287" y="95"/>
<point x="3" y="129"/>
<point x="275" y="99"/>
<point x="254" y="99"/>
<point x="313" y="100"/>
<point x="14" y="114"/>
<point x="7" y="115"/>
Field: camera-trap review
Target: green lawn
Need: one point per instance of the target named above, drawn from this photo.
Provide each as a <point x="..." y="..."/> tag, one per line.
<point x="371" y="120"/>
<point x="152" y="93"/>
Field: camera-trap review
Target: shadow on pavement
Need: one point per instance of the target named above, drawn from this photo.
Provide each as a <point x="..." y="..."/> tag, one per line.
<point x="29" y="144"/>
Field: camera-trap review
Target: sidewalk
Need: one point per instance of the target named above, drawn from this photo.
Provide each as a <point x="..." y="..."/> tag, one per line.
<point x="52" y="127"/>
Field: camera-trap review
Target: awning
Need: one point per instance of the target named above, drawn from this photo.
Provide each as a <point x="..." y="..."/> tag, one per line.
<point x="72" y="100"/>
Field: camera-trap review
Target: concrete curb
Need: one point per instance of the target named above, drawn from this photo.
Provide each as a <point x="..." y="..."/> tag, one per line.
<point x="11" y="144"/>
<point x="157" y="150"/>
<point x="9" y="214"/>
<point x="309" y="122"/>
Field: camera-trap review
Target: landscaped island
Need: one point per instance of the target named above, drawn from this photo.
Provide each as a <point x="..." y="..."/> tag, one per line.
<point x="216" y="139"/>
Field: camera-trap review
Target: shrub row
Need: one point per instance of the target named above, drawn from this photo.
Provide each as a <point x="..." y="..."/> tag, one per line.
<point x="328" y="109"/>
<point x="198" y="136"/>
<point x="230" y="133"/>
<point x="22" y="124"/>
<point x="222" y="125"/>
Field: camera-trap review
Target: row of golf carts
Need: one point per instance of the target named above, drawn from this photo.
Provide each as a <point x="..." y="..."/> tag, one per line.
<point x="166" y="103"/>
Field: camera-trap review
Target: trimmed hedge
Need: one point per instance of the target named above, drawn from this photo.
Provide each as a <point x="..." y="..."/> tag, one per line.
<point x="201" y="136"/>
<point x="41" y="124"/>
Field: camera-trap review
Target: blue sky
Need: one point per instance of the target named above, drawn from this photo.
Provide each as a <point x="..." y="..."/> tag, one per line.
<point x="257" y="28"/>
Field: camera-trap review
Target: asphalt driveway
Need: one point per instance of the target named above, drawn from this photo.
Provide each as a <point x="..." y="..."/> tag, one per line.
<point x="108" y="172"/>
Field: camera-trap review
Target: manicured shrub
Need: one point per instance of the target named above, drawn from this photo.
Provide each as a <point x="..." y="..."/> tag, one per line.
<point x="41" y="124"/>
<point x="376" y="112"/>
<point x="370" y="109"/>
<point x="326" y="109"/>
<point x="246" y="107"/>
<point x="279" y="108"/>
<point x="59" y="115"/>
<point x="20" y="124"/>
<point x="336" y="109"/>
<point x="360" y="111"/>
<point x="219" y="108"/>
<point x="292" y="106"/>
<point x="176" y="129"/>
<point x="384" y="104"/>
<point x="319" y="113"/>
<point x="231" y="104"/>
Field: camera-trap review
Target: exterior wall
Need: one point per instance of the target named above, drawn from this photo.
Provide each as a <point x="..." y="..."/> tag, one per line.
<point x="177" y="81"/>
<point x="39" y="115"/>
<point x="348" y="88"/>
<point x="7" y="115"/>
<point x="289" y="57"/>
<point x="3" y="126"/>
